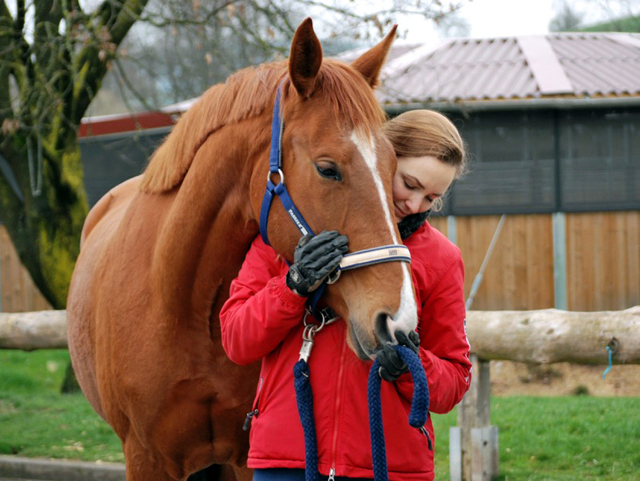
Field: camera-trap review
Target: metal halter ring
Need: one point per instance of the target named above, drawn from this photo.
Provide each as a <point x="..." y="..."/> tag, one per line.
<point x="280" y="173"/>
<point x="334" y="276"/>
<point x="326" y="320"/>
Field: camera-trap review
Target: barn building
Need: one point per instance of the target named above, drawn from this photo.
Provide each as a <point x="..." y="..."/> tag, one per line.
<point x="553" y="128"/>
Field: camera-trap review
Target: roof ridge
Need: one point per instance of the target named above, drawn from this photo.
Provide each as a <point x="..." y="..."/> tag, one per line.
<point x="545" y="66"/>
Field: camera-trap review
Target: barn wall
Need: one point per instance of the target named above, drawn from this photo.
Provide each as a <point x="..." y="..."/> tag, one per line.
<point x="602" y="262"/>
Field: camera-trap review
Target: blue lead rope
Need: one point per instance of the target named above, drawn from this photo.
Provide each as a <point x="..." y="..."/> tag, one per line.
<point x="417" y="416"/>
<point x="304" y="397"/>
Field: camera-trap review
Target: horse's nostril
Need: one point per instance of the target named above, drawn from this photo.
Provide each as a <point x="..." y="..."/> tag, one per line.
<point x="381" y="328"/>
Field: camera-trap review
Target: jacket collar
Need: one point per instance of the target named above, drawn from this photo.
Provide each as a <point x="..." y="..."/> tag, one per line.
<point x="412" y="223"/>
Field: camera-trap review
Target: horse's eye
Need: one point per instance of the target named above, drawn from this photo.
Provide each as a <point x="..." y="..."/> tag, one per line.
<point x="329" y="172"/>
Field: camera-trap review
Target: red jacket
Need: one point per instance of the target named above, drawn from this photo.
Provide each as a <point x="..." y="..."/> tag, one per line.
<point x="263" y="320"/>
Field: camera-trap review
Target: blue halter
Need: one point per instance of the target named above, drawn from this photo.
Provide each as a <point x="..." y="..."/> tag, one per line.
<point x="353" y="260"/>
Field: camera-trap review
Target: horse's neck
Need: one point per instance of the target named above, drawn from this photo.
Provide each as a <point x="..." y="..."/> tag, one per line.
<point x="211" y="223"/>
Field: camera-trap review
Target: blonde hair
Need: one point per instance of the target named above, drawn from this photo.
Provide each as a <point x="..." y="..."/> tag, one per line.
<point x="417" y="133"/>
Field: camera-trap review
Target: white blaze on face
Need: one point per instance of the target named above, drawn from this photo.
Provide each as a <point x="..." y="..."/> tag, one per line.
<point x="406" y="316"/>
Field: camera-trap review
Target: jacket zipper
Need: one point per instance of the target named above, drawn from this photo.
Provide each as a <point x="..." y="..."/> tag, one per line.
<point x="254" y="411"/>
<point x="424" y="431"/>
<point x="334" y="446"/>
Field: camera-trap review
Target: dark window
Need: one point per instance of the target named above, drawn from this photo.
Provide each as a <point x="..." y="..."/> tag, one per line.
<point x="600" y="160"/>
<point x="111" y="159"/>
<point x="511" y="165"/>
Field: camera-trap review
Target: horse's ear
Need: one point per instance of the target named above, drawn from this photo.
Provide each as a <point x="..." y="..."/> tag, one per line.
<point x="369" y="64"/>
<point x="305" y="59"/>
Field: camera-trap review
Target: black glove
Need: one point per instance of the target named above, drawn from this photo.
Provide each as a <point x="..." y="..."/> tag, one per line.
<point x="391" y="364"/>
<point x="314" y="259"/>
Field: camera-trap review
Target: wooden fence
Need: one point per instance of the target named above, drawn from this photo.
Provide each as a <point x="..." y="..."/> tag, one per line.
<point x="18" y="293"/>
<point x="577" y="262"/>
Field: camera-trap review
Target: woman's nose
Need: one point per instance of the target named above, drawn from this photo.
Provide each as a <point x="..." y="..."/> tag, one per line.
<point x="413" y="205"/>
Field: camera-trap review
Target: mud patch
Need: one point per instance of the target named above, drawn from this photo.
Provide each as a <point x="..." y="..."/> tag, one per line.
<point x="563" y="379"/>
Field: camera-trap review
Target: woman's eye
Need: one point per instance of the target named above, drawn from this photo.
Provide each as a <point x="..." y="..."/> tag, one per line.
<point x="329" y="172"/>
<point x="408" y="186"/>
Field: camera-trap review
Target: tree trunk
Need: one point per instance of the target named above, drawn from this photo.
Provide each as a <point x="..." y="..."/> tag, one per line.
<point x="45" y="227"/>
<point x="56" y="56"/>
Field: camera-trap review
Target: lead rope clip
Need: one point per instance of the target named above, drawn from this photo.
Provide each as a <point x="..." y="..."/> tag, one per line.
<point x="307" y="341"/>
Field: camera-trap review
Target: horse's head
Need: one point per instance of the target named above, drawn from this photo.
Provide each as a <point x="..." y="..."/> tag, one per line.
<point x="338" y="167"/>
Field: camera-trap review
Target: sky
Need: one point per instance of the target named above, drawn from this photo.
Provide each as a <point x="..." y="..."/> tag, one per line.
<point x="492" y="18"/>
<point x="498" y="18"/>
<point x="504" y="18"/>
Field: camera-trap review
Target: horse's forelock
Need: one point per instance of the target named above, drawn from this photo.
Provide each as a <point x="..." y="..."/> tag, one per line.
<point x="350" y="98"/>
<point x="353" y="96"/>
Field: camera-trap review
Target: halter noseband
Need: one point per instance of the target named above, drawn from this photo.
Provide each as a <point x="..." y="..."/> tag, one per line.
<point x="352" y="260"/>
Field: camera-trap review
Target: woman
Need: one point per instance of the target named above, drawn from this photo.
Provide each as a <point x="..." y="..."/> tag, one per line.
<point x="267" y="302"/>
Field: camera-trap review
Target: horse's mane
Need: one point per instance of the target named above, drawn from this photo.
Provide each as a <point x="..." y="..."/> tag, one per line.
<point x="249" y="93"/>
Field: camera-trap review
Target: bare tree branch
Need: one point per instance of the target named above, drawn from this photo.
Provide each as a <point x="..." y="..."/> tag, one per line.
<point x="160" y="21"/>
<point x="6" y="52"/>
<point x="4" y="12"/>
<point x="123" y="75"/>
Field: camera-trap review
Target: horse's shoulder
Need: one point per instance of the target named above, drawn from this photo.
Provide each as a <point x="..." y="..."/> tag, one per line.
<point x="116" y="197"/>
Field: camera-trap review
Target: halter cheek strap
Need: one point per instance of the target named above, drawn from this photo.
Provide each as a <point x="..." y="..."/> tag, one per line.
<point x="280" y="189"/>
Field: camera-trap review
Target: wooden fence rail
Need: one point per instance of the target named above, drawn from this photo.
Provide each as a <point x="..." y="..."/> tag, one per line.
<point x="550" y="335"/>
<point x="538" y="337"/>
<point x="33" y="330"/>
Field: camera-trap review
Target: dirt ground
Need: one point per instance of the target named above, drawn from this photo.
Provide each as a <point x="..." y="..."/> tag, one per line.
<point x="513" y="378"/>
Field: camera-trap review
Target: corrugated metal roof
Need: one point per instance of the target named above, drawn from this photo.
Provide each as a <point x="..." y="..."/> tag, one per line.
<point x="554" y="66"/>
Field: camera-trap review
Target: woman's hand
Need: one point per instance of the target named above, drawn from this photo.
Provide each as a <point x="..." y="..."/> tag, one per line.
<point x="391" y="364"/>
<point x="315" y="258"/>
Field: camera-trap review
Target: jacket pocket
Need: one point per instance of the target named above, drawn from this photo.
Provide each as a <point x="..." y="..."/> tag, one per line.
<point x="267" y="365"/>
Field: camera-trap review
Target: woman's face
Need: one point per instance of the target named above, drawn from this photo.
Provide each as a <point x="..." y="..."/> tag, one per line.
<point x="418" y="182"/>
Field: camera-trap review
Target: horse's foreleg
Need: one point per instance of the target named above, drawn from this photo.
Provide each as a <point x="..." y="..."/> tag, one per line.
<point x="224" y="472"/>
<point x="141" y="465"/>
<point x="212" y="473"/>
<point x="242" y="474"/>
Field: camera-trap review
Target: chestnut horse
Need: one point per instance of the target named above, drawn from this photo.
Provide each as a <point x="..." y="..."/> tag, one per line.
<point x="160" y="250"/>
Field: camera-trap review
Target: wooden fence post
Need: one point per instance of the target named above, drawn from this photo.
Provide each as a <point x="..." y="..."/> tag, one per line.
<point x="473" y="444"/>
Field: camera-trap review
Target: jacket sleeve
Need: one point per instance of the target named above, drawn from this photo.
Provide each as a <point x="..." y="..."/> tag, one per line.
<point x="261" y="309"/>
<point x="444" y="348"/>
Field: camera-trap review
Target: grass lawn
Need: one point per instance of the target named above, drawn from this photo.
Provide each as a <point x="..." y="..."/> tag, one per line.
<point x="541" y="438"/>
<point x="36" y="420"/>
